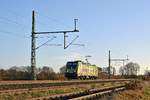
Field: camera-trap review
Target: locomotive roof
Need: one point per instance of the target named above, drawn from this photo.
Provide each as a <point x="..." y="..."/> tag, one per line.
<point x="76" y="61"/>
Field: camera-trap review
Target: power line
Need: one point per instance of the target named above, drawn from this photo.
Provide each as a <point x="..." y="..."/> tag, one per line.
<point x="15" y="13"/>
<point x="45" y="42"/>
<point x="14" y="22"/>
<point x="44" y="24"/>
<point x="55" y="20"/>
<point x="13" y="34"/>
<point x="71" y="42"/>
<point x="19" y="25"/>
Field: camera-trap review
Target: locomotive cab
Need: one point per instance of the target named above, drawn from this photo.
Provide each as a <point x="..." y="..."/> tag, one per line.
<point x="71" y="70"/>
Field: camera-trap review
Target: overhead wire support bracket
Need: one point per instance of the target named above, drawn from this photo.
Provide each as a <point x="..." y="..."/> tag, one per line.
<point x="57" y="32"/>
<point x="64" y="32"/>
<point x="33" y="43"/>
<point x="75" y="30"/>
<point x="66" y="46"/>
<point x="45" y="43"/>
<point x="120" y="59"/>
<point x="110" y="60"/>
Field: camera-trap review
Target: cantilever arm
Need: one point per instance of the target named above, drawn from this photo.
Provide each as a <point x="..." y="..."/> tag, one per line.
<point x="45" y="43"/>
<point x="65" y="47"/>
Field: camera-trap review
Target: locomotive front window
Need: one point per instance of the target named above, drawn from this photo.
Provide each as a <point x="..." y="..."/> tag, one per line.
<point x="71" y="67"/>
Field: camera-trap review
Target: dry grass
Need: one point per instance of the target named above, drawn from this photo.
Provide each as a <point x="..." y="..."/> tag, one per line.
<point x="42" y="93"/>
<point x="129" y="95"/>
<point x="136" y="93"/>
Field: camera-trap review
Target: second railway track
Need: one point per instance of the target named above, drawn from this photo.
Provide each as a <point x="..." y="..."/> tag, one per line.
<point x="38" y="84"/>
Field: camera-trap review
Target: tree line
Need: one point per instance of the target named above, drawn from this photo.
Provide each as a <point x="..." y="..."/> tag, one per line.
<point x="24" y="73"/>
<point x="130" y="70"/>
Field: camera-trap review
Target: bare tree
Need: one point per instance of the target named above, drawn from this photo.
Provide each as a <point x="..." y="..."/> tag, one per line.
<point x="121" y="70"/>
<point x="130" y="69"/>
<point x="147" y="73"/>
<point x="62" y="69"/>
<point x="46" y="73"/>
<point x="112" y="70"/>
<point x="47" y="69"/>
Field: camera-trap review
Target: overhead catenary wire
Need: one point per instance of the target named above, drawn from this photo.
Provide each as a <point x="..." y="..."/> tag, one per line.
<point x="72" y="41"/>
<point x="20" y="26"/>
<point x="13" y="34"/>
<point x="15" y="13"/>
<point x="55" y="20"/>
<point x="14" y="22"/>
<point x="45" y="42"/>
<point x="46" y="25"/>
<point x="22" y="17"/>
<point x="44" y="16"/>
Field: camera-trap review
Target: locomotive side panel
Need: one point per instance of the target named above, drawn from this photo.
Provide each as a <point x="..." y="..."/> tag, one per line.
<point x="87" y="70"/>
<point x="95" y="71"/>
<point x="82" y="70"/>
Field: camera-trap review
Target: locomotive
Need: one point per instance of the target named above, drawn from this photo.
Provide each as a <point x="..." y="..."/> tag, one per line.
<point x="80" y="70"/>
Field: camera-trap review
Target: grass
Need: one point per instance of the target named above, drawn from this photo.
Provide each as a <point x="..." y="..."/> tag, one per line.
<point x="147" y="93"/>
<point x="35" y="94"/>
<point x="135" y="94"/>
<point x="24" y="96"/>
<point x="41" y="93"/>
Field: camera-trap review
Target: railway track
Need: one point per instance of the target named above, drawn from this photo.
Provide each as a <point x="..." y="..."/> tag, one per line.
<point x="40" y="84"/>
<point x="84" y="95"/>
<point x="63" y="90"/>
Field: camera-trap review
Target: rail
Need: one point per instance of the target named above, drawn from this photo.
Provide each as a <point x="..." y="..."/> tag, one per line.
<point x="12" y="86"/>
<point x="84" y="95"/>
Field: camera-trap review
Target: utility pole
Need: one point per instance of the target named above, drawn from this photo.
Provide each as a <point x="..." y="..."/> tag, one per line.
<point x="33" y="51"/>
<point x="33" y="43"/>
<point x="109" y="65"/>
<point x="65" y="39"/>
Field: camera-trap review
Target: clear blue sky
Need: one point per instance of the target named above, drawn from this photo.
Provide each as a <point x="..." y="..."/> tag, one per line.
<point x="123" y="26"/>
